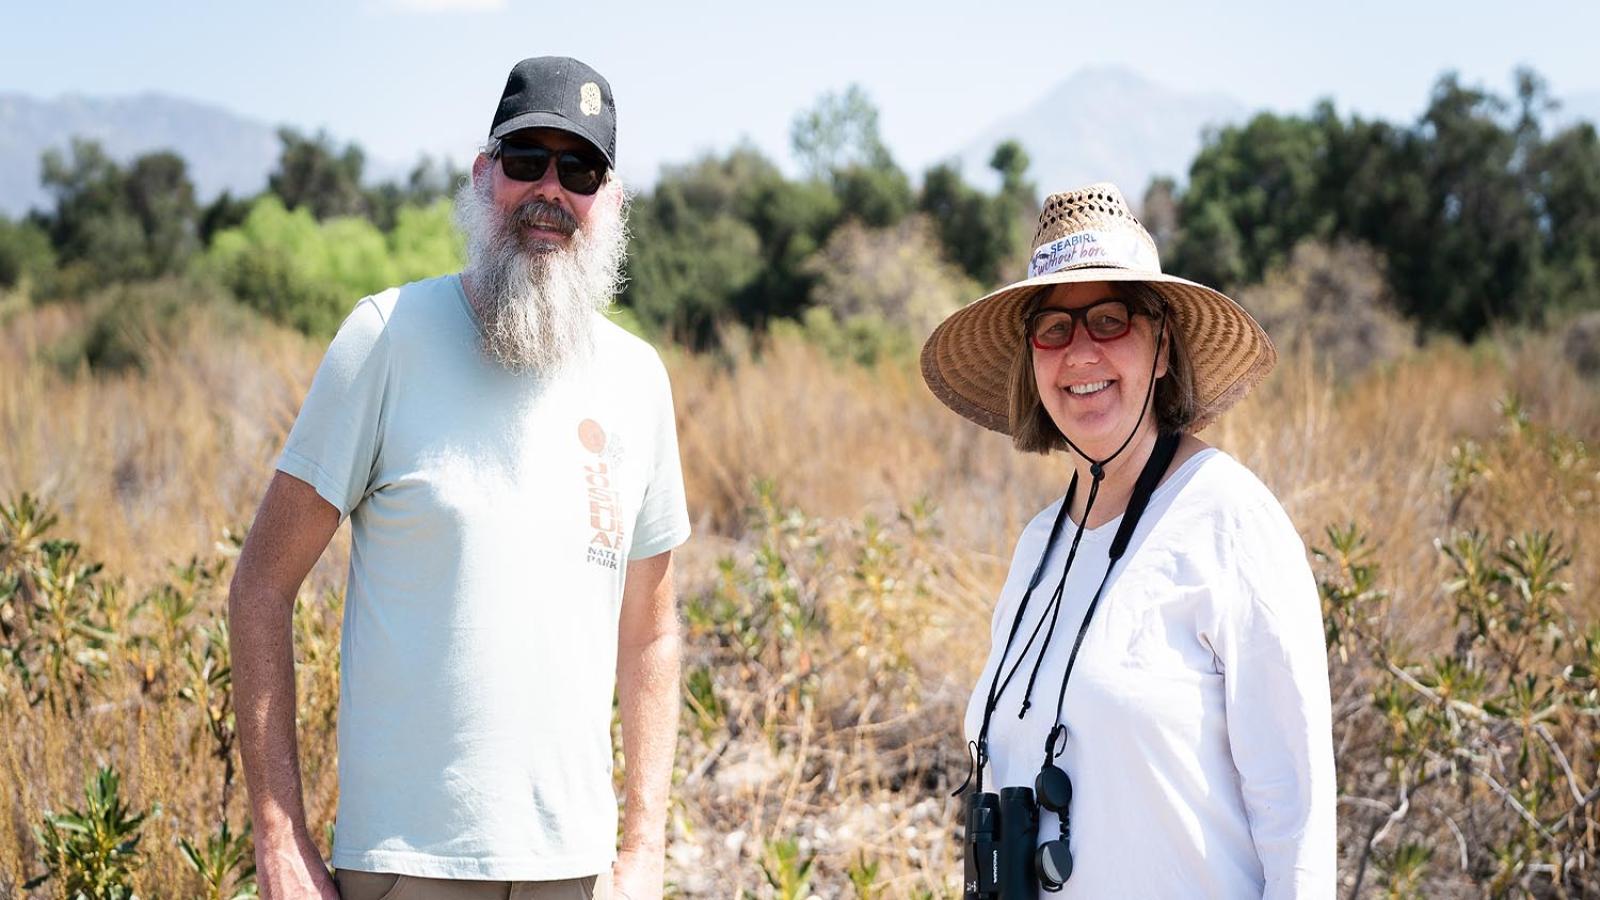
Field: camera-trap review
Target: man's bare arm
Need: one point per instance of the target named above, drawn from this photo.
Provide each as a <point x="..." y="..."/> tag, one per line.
<point x="648" y="648"/>
<point x="292" y="528"/>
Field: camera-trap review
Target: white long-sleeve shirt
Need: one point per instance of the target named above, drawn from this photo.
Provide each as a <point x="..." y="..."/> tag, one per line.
<point x="1200" y="735"/>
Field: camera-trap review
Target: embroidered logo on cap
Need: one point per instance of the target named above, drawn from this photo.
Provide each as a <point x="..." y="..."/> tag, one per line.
<point x="589" y="98"/>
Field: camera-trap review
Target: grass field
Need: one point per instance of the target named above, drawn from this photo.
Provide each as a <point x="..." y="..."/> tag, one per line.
<point x="850" y="536"/>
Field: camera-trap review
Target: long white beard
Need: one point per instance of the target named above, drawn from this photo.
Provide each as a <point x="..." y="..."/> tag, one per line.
<point x="535" y="301"/>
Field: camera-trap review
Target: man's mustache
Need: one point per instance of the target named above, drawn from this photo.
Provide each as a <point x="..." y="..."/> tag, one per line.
<point x="547" y="216"/>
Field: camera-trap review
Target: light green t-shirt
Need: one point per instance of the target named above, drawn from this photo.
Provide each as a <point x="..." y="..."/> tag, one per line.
<point x="493" y="516"/>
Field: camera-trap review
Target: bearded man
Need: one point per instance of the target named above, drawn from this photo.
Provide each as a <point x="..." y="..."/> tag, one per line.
<point x="508" y="460"/>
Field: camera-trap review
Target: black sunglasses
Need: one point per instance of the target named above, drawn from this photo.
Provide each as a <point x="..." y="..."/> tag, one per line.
<point x="578" y="172"/>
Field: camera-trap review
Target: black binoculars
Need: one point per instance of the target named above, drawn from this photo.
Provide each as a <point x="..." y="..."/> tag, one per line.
<point x="1002" y="830"/>
<point x="1004" y="859"/>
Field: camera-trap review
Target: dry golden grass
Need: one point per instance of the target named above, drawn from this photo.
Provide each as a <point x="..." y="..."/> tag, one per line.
<point x="860" y="581"/>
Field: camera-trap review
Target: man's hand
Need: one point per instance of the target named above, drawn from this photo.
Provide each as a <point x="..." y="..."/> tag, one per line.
<point x="294" y="872"/>
<point x="637" y="875"/>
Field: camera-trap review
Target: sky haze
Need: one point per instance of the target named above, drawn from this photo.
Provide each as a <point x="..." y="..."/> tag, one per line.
<point x="403" y="77"/>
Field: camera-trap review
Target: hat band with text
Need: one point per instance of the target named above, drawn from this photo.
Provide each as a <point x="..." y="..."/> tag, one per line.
<point x="1101" y="248"/>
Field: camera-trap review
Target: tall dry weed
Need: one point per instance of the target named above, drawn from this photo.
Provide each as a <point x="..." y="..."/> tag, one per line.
<point x="850" y="536"/>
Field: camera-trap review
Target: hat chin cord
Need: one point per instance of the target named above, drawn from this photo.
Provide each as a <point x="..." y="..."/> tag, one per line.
<point x="1097" y="467"/>
<point x="1097" y="474"/>
<point x="980" y="748"/>
<point x="1052" y="860"/>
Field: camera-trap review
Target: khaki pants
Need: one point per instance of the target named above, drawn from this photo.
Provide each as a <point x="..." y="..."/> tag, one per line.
<point x="354" y="885"/>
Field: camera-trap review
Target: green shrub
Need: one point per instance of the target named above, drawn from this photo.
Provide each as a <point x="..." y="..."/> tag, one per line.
<point x="1480" y="746"/>
<point x="93" y="852"/>
<point x="223" y="863"/>
<point x="896" y="275"/>
<point x="57" y="625"/>
<point x="425" y="241"/>
<point x="865" y="338"/>
<point x="309" y="274"/>
<point x="129" y="325"/>
<point x="26" y="257"/>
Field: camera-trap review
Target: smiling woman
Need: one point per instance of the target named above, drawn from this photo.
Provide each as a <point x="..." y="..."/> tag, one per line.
<point x="1135" y="306"/>
<point x="1194" y="749"/>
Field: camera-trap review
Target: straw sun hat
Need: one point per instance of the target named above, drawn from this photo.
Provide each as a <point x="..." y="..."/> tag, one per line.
<point x="1090" y="235"/>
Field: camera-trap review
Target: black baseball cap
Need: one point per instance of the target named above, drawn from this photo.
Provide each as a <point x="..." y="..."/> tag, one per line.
<point x="562" y="93"/>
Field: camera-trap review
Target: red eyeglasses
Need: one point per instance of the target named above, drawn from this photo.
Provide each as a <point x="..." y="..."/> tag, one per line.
<point x="1052" y="329"/>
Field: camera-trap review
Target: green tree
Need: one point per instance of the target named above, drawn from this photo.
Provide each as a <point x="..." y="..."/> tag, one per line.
<point x="1363" y="182"/>
<point x="161" y="198"/>
<point x="86" y="185"/>
<point x="1252" y="196"/>
<point x="792" y="219"/>
<point x="839" y="132"/>
<point x="1565" y="174"/>
<point x="1015" y="207"/>
<point x="382" y="203"/>
<point x="271" y="262"/>
<point x="837" y="141"/>
<point x="877" y="197"/>
<point x="1479" y="215"/>
<point x="314" y="173"/>
<point x="430" y="180"/>
<point x="227" y="211"/>
<point x="985" y="235"/>
<point x="683" y="281"/>
<point x="730" y="238"/>
<point x="725" y="238"/>
<point x="433" y="179"/>
<point x="1463" y="249"/>
<point x="693" y="253"/>
<point x="114" y="224"/>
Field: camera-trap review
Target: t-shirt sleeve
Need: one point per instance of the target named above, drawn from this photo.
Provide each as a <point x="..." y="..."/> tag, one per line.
<point x="335" y="440"/>
<point x="1269" y="641"/>
<point x="663" y="519"/>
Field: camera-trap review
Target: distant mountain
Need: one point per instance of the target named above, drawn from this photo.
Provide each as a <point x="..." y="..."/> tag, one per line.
<point x="1105" y="124"/>
<point x="223" y="150"/>
<point x="1100" y="124"/>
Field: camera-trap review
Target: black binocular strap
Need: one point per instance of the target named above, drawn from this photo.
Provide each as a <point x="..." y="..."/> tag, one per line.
<point x="996" y="688"/>
<point x="1097" y="474"/>
<point x="1166" y="450"/>
<point x="1118" y="544"/>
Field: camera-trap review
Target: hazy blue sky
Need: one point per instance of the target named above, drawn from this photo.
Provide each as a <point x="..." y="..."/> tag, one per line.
<point x="404" y="76"/>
